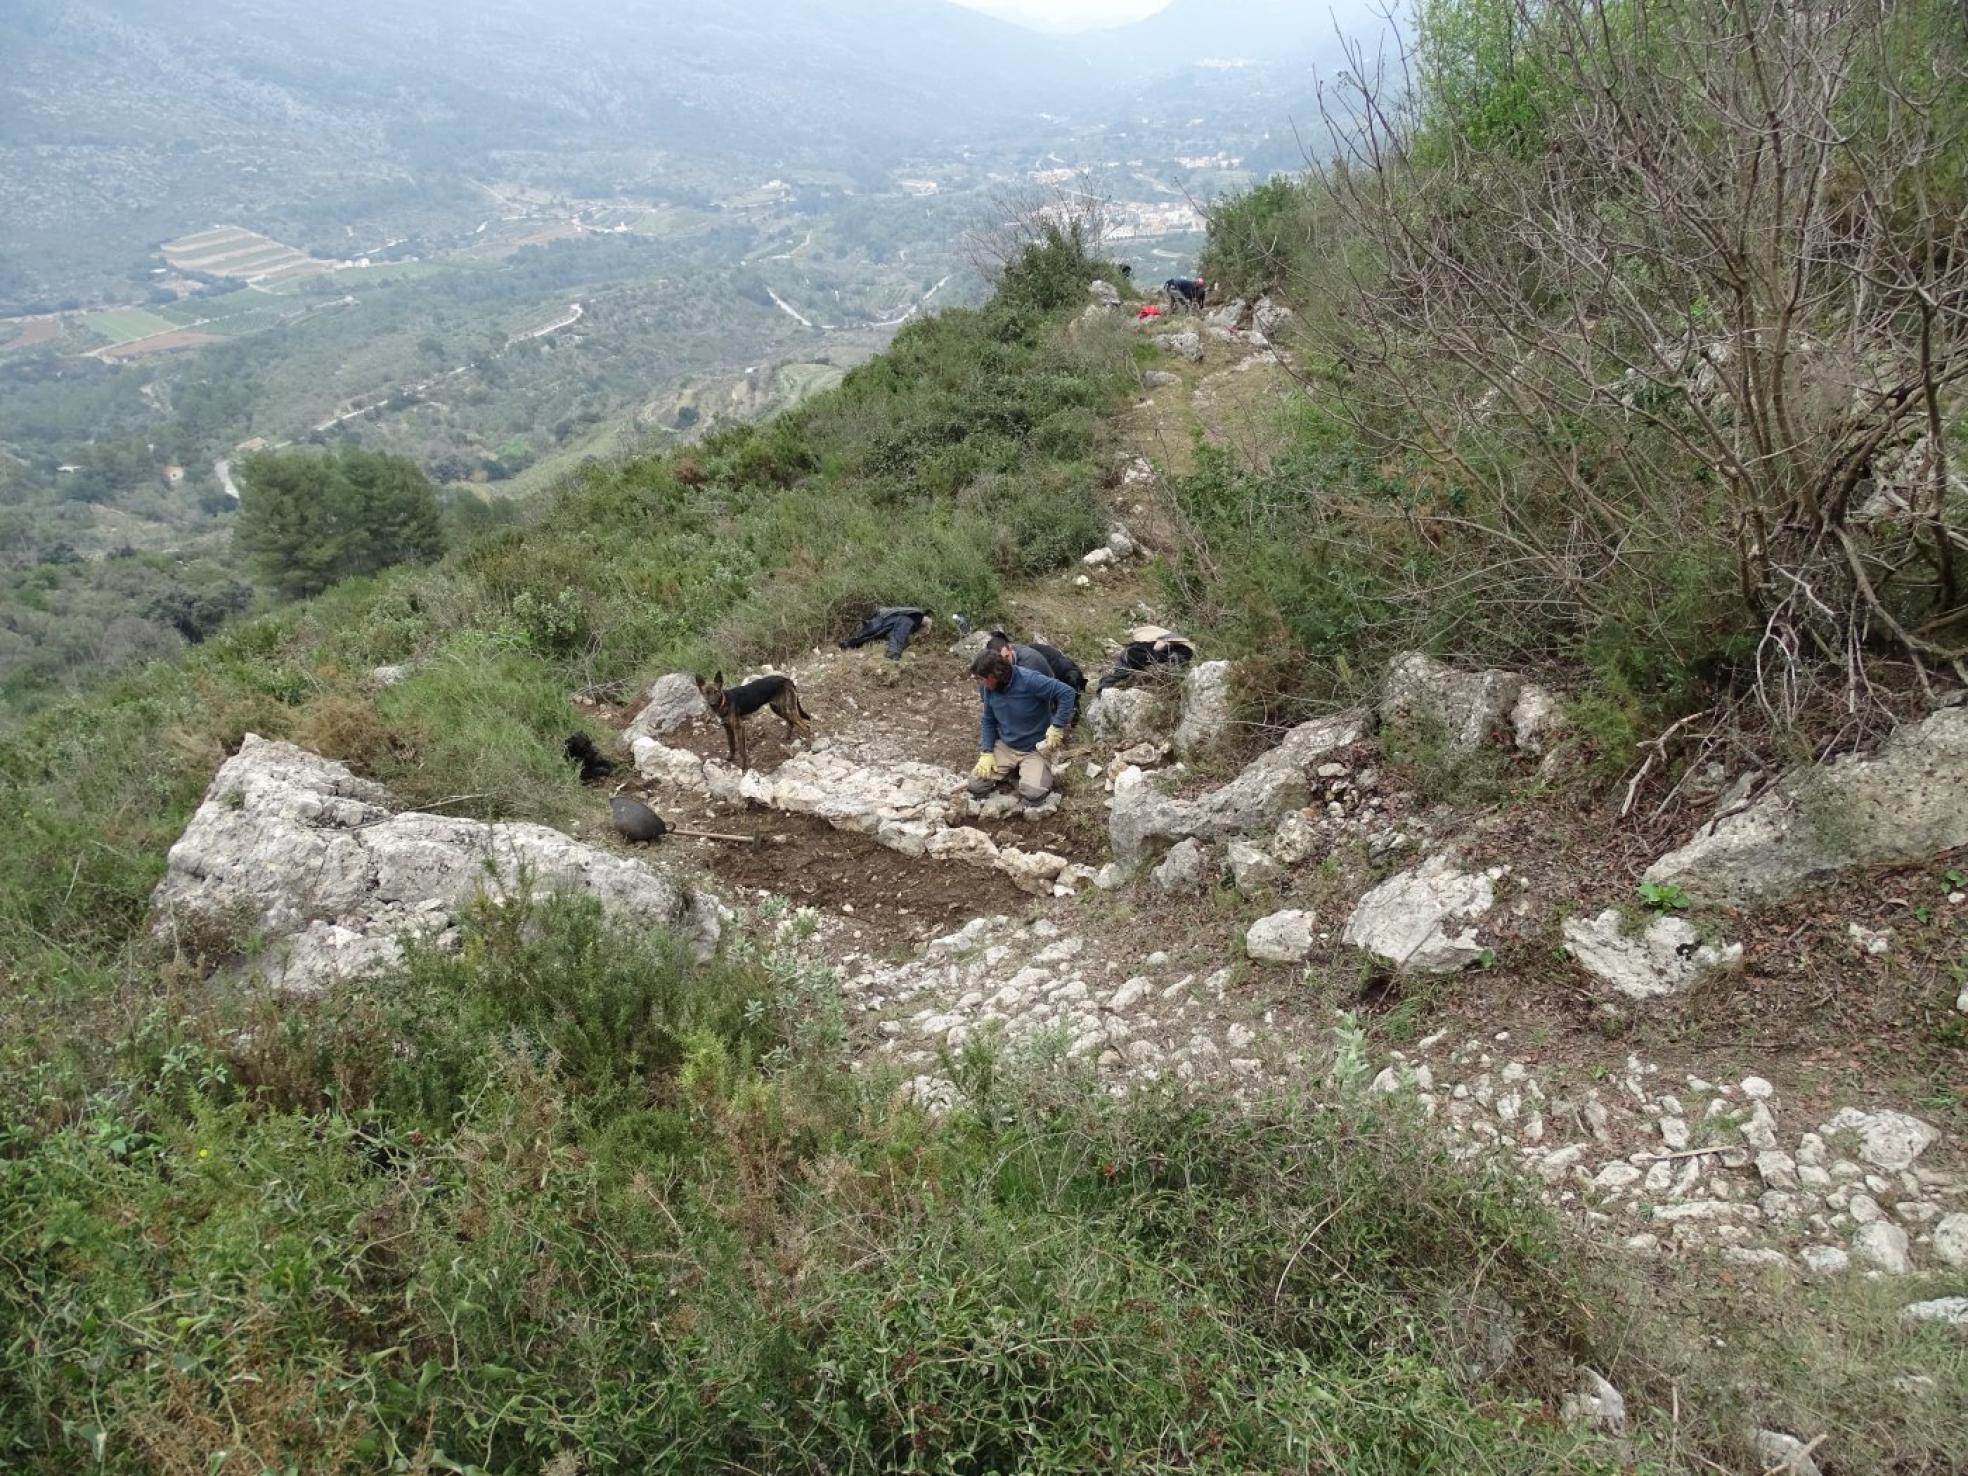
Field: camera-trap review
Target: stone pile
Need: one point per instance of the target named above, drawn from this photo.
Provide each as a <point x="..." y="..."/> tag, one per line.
<point x="912" y="808"/>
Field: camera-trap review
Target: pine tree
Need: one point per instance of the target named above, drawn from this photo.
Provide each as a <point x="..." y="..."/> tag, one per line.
<point x="308" y="519"/>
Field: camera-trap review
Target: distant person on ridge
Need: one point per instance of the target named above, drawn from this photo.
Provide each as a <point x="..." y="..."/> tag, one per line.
<point x="1185" y="292"/>
<point x="1024" y="720"/>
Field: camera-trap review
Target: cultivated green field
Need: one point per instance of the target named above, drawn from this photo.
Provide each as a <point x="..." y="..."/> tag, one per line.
<point x="125" y="325"/>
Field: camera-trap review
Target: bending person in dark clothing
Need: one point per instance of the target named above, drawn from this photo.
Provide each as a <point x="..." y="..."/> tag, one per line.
<point x="896" y="624"/>
<point x="1148" y="647"/>
<point x="1040" y="657"/>
<point x="1024" y="720"/>
<point x="1186" y="292"/>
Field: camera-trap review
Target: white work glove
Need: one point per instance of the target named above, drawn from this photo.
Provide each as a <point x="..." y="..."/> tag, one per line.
<point x="987" y="766"/>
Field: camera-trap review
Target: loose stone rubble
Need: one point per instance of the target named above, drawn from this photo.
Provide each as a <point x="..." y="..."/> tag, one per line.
<point x="1030" y="984"/>
<point x="1692" y="1166"/>
<point x="1680" y="1168"/>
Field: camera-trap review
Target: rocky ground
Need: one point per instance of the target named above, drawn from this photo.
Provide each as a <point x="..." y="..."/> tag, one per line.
<point x="1205" y="903"/>
<point x="1731" y="1035"/>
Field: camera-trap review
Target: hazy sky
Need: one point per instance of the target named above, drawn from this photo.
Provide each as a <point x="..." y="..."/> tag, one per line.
<point x="1068" y="15"/>
<point x="1349" y="17"/>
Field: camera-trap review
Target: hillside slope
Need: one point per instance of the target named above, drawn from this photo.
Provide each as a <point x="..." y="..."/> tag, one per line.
<point x="1269" y="1104"/>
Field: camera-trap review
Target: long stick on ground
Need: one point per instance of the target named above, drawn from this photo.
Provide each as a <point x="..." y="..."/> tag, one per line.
<point x="743" y="840"/>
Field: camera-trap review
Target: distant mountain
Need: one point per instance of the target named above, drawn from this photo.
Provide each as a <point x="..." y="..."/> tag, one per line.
<point x="1266" y="31"/>
<point x="778" y="75"/>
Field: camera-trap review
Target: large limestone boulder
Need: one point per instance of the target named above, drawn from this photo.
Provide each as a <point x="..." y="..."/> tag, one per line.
<point x="1469" y="704"/>
<point x="1283" y="937"/>
<point x="1903" y="804"/>
<point x="1143" y="819"/>
<point x="1103" y="294"/>
<point x="1665" y="958"/>
<point x="1206" y="709"/>
<point x="673" y="701"/>
<point x="1188" y="345"/>
<point x="1124" y="715"/>
<point x="292" y="852"/>
<point x="1269" y="317"/>
<point x="1410" y="921"/>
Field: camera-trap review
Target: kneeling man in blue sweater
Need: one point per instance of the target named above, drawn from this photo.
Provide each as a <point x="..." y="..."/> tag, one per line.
<point x="1026" y="714"/>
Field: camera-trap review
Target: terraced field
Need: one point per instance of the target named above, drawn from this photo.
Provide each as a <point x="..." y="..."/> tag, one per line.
<point x="234" y="251"/>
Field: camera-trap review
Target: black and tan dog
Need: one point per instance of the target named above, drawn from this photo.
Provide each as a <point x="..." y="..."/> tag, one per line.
<point x="732" y="705"/>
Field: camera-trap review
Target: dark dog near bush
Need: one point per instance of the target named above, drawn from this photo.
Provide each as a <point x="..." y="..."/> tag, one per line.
<point x="732" y="705"/>
<point x="580" y="749"/>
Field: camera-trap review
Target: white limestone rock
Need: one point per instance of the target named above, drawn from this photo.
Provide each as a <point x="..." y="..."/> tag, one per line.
<point x="1270" y="787"/>
<point x="292" y="852"/>
<point x="1666" y="958"/>
<point x="1883" y="1245"/>
<point x="1187" y="344"/>
<point x="673" y="701"/>
<point x="1206" y="709"/>
<point x="1252" y="869"/>
<point x="1410" y="921"/>
<point x="1468" y="704"/>
<point x="1903" y="804"/>
<point x="1947" y="1311"/>
<point x="1887" y="1139"/>
<point x="1283" y="937"/>
<point x="1186" y="868"/>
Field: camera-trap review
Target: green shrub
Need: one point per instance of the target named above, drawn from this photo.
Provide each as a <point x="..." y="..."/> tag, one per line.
<point x="1256" y="239"/>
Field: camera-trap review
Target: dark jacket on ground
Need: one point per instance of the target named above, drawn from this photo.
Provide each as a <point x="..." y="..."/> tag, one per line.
<point x="1019" y="715"/>
<point x="1138" y="656"/>
<point x="895" y="624"/>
